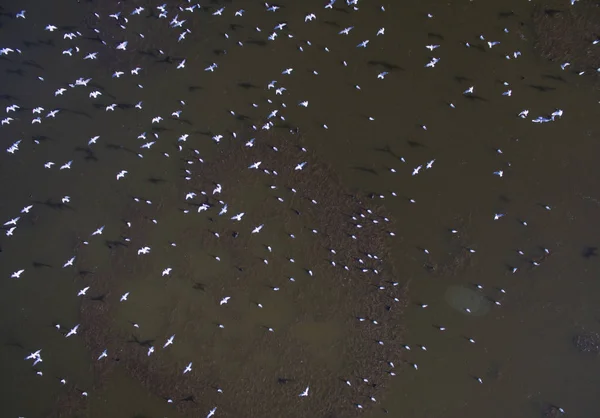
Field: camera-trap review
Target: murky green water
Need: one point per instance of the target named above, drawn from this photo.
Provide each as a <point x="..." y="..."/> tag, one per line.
<point x="523" y="348"/>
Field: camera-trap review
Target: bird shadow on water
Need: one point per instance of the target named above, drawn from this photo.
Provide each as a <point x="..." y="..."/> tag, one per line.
<point x="53" y="205"/>
<point x="247" y="85"/>
<point x="435" y="36"/>
<point x="415" y="144"/>
<point x="474" y="97"/>
<point x="38" y="264"/>
<point x="89" y="155"/>
<point x="366" y="170"/>
<point x="77" y="112"/>
<point x="118" y="147"/>
<point x="388" y="66"/>
<point x="589" y="252"/>
<point x="542" y="88"/>
<point x="33" y="64"/>
<point x="258" y="42"/>
<point x="18" y="72"/>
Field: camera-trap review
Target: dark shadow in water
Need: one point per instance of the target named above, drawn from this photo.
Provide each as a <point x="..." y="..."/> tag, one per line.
<point x="552" y="12"/>
<point x="38" y="264"/>
<point x="388" y="66"/>
<point x="388" y="150"/>
<point x="474" y="97"/>
<point x="589" y="252"/>
<point x="506" y="14"/>
<point x="241" y="117"/>
<point x="247" y="85"/>
<point x="18" y="72"/>
<point x="462" y="79"/>
<point x="541" y="88"/>
<point x="435" y="36"/>
<point x="90" y="38"/>
<point x="156" y="180"/>
<point x="190" y="398"/>
<point x="33" y="64"/>
<point x="76" y="112"/>
<point x="8" y="97"/>
<point x="40" y="138"/>
<point x="14" y="344"/>
<point x="85" y="273"/>
<point x="554" y="77"/>
<point x="169" y="60"/>
<point x="112" y="244"/>
<point x="53" y="205"/>
<point x="48" y="42"/>
<point x="186" y="121"/>
<point x="89" y="154"/>
<point x="365" y="170"/>
<point x="143" y="343"/>
<point x="148" y="53"/>
<point x="119" y="147"/>
<point x="199" y="286"/>
<point x="258" y="42"/>
<point x="415" y="144"/>
<point x="478" y="47"/>
<point x="332" y="23"/>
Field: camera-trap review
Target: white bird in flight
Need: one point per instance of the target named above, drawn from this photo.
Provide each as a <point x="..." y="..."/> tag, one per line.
<point x="188" y="368"/>
<point x="225" y="300"/>
<point x="73" y="331"/>
<point x="34" y="355"/>
<point x="300" y="166"/>
<point x="13" y="221"/>
<point x="17" y="274"/>
<point x="69" y="262"/>
<point x="169" y="341"/>
<point x="144" y="250"/>
<point x="237" y="217"/>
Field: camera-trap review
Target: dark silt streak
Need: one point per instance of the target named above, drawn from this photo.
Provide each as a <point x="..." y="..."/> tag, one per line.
<point x="524" y="350"/>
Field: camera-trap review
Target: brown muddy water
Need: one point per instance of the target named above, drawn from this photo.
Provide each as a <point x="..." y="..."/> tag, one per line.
<point x="429" y="307"/>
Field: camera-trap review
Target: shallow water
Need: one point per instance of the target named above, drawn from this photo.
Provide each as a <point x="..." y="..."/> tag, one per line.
<point x="523" y="350"/>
